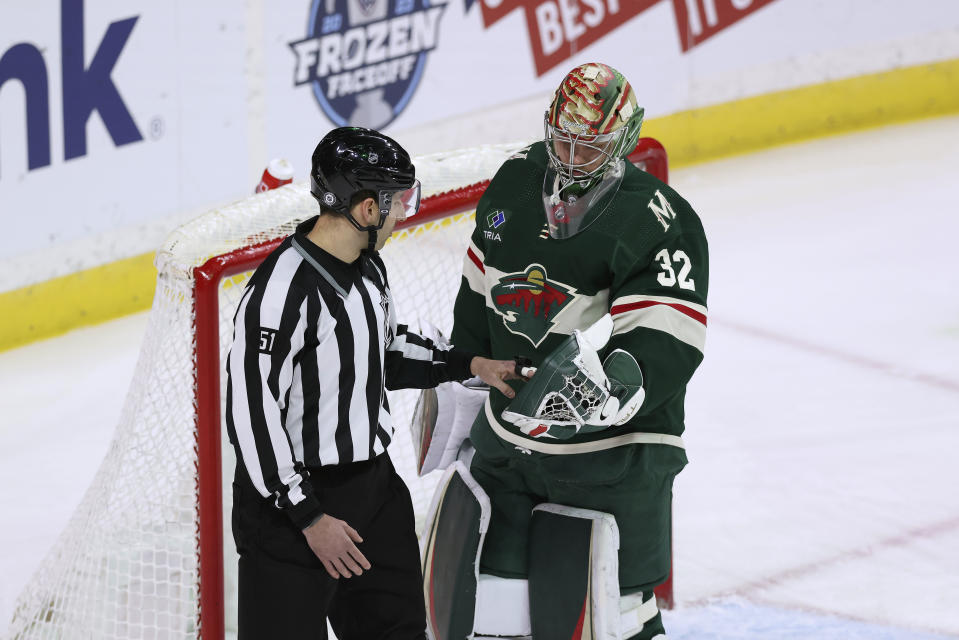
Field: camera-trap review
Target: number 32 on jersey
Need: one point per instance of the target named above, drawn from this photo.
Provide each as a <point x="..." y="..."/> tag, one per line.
<point x="669" y="264"/>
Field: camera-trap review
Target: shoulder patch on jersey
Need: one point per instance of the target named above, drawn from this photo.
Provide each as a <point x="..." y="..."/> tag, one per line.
<point x="529" y="302"/>
<point x="521" y="154"/>
<point x="661" y="208"/>
<point x="496" y="219"/>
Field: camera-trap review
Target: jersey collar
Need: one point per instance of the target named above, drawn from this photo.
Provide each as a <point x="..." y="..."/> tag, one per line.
<point x="328" y="265"/>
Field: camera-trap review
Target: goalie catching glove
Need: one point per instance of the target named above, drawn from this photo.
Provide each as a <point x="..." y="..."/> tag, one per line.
<point x="573" y="391"/>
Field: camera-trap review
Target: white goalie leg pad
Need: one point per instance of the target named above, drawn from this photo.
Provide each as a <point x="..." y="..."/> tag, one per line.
<point x="451" y="546"/>
<point x="634" y="613"/>
<point x="502" y="608"/>
<point x="574" y="574"/>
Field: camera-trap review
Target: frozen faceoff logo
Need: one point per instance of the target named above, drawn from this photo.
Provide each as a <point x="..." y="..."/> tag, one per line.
<point x="364" y="58"/>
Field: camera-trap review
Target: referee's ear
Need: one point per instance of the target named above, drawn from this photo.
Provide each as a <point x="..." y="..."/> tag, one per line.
<point x="366" y="211"/>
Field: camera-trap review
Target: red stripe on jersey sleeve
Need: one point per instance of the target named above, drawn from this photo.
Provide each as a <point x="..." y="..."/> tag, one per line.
<point x="632" y="306"/>
<point x="476" y="260"/>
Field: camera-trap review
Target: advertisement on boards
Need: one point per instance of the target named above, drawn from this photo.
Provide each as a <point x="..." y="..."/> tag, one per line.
<point x="363" y="59"/>
<point x="394" y="64"/>
<point x="402" y="65"/>
<point x="112" y="115"/>
<point x="118" y="115"/>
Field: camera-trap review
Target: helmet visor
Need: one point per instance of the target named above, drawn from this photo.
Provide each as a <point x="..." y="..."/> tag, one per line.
<point x="401" y="204"/>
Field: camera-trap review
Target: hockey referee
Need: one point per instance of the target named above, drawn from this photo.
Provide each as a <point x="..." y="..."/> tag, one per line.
<point x="322" y="522"/>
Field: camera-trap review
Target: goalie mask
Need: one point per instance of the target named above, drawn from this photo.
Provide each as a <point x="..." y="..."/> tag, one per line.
<point x="573" y="392"/>
<point x="592" y="124"/>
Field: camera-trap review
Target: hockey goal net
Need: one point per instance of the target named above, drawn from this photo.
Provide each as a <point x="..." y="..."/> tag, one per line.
<point x="149" y="553"/>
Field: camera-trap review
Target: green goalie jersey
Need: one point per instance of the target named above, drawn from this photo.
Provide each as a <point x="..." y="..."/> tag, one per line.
<point x="644" y="260"/>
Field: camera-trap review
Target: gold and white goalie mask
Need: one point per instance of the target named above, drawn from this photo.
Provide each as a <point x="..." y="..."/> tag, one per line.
<point x="591" y="126"/>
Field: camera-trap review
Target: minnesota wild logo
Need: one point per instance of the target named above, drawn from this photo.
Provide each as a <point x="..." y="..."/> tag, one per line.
<point x="529" y="302"/>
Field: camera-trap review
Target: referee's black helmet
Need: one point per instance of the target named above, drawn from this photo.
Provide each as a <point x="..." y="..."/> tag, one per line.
<point x="352" y="159"/>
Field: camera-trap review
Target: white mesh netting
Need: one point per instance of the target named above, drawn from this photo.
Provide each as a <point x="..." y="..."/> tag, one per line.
<point x="126" y="566"/>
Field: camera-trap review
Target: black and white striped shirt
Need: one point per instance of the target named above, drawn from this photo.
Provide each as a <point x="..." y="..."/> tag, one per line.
<point x="315" y="344"/>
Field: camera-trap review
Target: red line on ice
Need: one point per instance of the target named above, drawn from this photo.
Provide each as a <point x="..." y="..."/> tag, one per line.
<point x="851" y="358"/>
<point x="803" y="570"/>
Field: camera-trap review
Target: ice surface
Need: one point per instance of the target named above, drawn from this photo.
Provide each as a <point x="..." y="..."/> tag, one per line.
<point x="738" y="619"/>
<point x="823" y="427"/>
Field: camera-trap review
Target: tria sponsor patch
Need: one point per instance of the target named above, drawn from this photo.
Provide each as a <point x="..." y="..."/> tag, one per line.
<point x="496" y="218"/>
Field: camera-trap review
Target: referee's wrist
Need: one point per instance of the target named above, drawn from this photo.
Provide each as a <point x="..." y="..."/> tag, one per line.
<point x="314" y="521"/>
<point x="460" y="363"/>
<point x="305" y="513"/>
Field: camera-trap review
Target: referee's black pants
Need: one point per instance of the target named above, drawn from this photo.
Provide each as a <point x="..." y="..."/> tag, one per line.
<point x="284" y="591"/>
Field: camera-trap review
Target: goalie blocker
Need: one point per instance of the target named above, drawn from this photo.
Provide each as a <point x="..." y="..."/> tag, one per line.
<point x="572" y="590"/>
